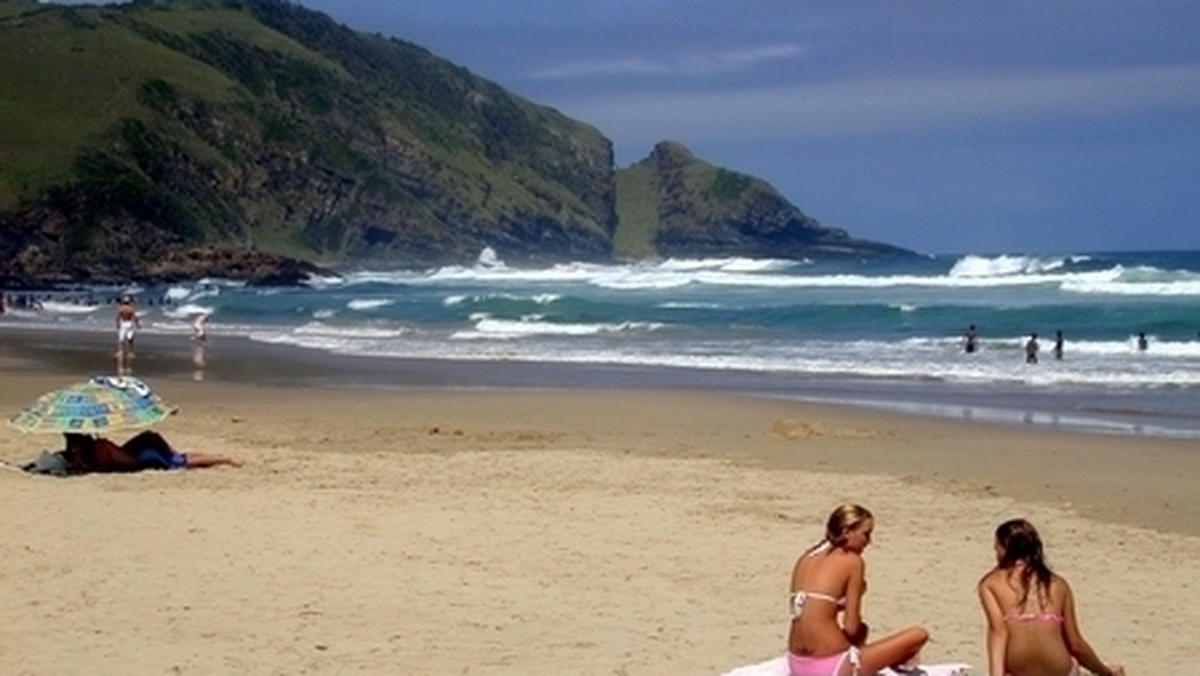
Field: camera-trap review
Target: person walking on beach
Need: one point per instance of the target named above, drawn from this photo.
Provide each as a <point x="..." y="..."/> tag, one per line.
<point x="199" y="330"/>
<point x="1058" y="345"/>
<point x="971" y="339"/>
<point x="829" y="580"/>
<point x="127" y="325"/>
<point x="1030" y="612"/>
<point x="1031" y="349"/>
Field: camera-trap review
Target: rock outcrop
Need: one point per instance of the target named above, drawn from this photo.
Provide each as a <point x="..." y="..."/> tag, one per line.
<point x="674" y="204"/>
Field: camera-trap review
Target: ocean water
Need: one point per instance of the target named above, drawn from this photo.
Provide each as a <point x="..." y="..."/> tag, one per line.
<point x="885" y="334"/>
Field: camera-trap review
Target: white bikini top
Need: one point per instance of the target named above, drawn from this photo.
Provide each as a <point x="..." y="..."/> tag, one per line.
<point x="797" y="598"/>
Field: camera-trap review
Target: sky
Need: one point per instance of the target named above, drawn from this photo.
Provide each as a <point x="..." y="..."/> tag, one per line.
<point x="944" y="126"/>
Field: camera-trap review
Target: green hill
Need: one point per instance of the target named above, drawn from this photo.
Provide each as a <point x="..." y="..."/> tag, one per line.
<point x="674" y="204"/>
<point x="141" y="136"/>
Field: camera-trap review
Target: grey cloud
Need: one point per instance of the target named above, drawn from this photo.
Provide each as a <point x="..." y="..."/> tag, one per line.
<point x="881" y="105"/>
<point x="688" y="64"/>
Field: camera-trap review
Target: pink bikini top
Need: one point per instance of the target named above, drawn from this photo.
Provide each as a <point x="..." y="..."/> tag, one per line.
<point x="1040" y="616"/>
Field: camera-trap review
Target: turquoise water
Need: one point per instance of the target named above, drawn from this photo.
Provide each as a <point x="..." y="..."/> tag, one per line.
<point x="888" y="332"/>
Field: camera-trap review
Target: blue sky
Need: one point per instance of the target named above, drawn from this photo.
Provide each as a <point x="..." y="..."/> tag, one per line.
<point x="945" y="126"/>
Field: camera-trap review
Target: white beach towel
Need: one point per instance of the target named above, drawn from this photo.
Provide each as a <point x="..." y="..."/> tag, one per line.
<point x="779" y="667"/>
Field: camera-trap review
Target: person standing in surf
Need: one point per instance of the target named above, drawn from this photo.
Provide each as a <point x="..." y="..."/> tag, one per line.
<point x="971" y="339"/>
<point x="1031" y="349"/>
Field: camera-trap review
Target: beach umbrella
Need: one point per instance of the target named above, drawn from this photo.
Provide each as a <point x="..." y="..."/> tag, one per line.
<point x="100" y="404"/>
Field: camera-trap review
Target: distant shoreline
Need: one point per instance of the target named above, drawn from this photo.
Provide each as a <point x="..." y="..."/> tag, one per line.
<point x="238" y="359"/>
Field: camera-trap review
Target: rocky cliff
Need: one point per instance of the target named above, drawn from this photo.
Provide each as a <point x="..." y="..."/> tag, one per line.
<point x="157" y="140"/>
<point x="674" y="204"/>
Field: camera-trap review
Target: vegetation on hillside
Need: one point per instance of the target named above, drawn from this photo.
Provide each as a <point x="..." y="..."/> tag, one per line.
<point x="136" y="131"/>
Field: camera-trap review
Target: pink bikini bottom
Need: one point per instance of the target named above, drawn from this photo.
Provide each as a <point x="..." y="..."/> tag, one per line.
<point x="827" y="665"/>
<point x="1073" y="672"/>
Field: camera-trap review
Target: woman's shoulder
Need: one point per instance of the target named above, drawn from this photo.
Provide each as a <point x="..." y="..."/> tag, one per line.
<point x="995" y="579"/>
<point x="846" y="562"/>
<point x="834" y="559"/>
<point x="1059" y="588"/>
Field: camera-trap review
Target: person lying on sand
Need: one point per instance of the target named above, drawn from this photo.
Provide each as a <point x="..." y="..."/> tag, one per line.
<point x="1031" y="612"/>
<point x="147" y="450"/>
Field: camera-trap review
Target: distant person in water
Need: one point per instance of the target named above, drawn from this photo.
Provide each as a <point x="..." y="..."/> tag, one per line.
<point x="1031" y="349"/>
<point x="971" y="339"/>
<point x="1142" y="342"/>
<point x="1058" y="345"/>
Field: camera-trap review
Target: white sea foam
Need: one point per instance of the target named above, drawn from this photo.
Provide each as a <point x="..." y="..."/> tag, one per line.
<point x="1185" y="287"/>
<point x="1004" y="266"/>
<point x="539" y="298"/>
<point x="505" y="329"/>
<point x="969" y="272"/>
<point x="357" y="331"/>
<point x="673" y="305"/>
<point x="177" y="293"/>
<point x="488" y="259"/>
<point x="1101" y="364"/>
<point x="187" y="310"/>
<point x="62" y="308"/>
<point x="728" y="264"/>
<point x="360" y="304"/>
<point x="325" y="281"/>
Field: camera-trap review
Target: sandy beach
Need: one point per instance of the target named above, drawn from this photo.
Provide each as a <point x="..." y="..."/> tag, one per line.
<point x="562" y="532"/>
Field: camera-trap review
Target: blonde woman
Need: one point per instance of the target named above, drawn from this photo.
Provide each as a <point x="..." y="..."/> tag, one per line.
<point x="828" y="581"/>
<point x="1030" y="612"/>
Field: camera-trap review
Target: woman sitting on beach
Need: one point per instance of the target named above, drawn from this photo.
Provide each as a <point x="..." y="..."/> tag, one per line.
<point x="1031" y="612"/>
<point x="829" y="579"/>
<point x="147" y="450"/>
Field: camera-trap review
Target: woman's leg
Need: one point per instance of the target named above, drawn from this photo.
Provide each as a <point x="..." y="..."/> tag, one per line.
<point x="899" y="649"/>
<point x="197" y="460"/>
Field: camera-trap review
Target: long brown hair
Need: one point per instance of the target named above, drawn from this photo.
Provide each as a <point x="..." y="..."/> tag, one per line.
<point x="1019" y="543"/>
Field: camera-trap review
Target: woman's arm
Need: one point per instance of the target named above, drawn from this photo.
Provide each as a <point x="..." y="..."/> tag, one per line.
<point x="852" y="624"/>
<point x="1079" y="648"/>
<point x="997" y="635"/>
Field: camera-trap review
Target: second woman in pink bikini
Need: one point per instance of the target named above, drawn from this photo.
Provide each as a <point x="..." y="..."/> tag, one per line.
<point x="1030" y="612"/>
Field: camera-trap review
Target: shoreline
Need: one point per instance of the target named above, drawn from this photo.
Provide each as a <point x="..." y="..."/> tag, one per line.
<point x="239" y="359"/>
<point x="1073" y="468"/>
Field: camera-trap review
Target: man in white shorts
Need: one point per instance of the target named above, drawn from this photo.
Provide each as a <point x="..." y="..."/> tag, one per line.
<point x="127" y="325"/>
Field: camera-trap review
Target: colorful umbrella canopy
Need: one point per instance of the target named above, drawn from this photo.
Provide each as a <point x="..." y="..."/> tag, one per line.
<point x="101" y="404"/>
